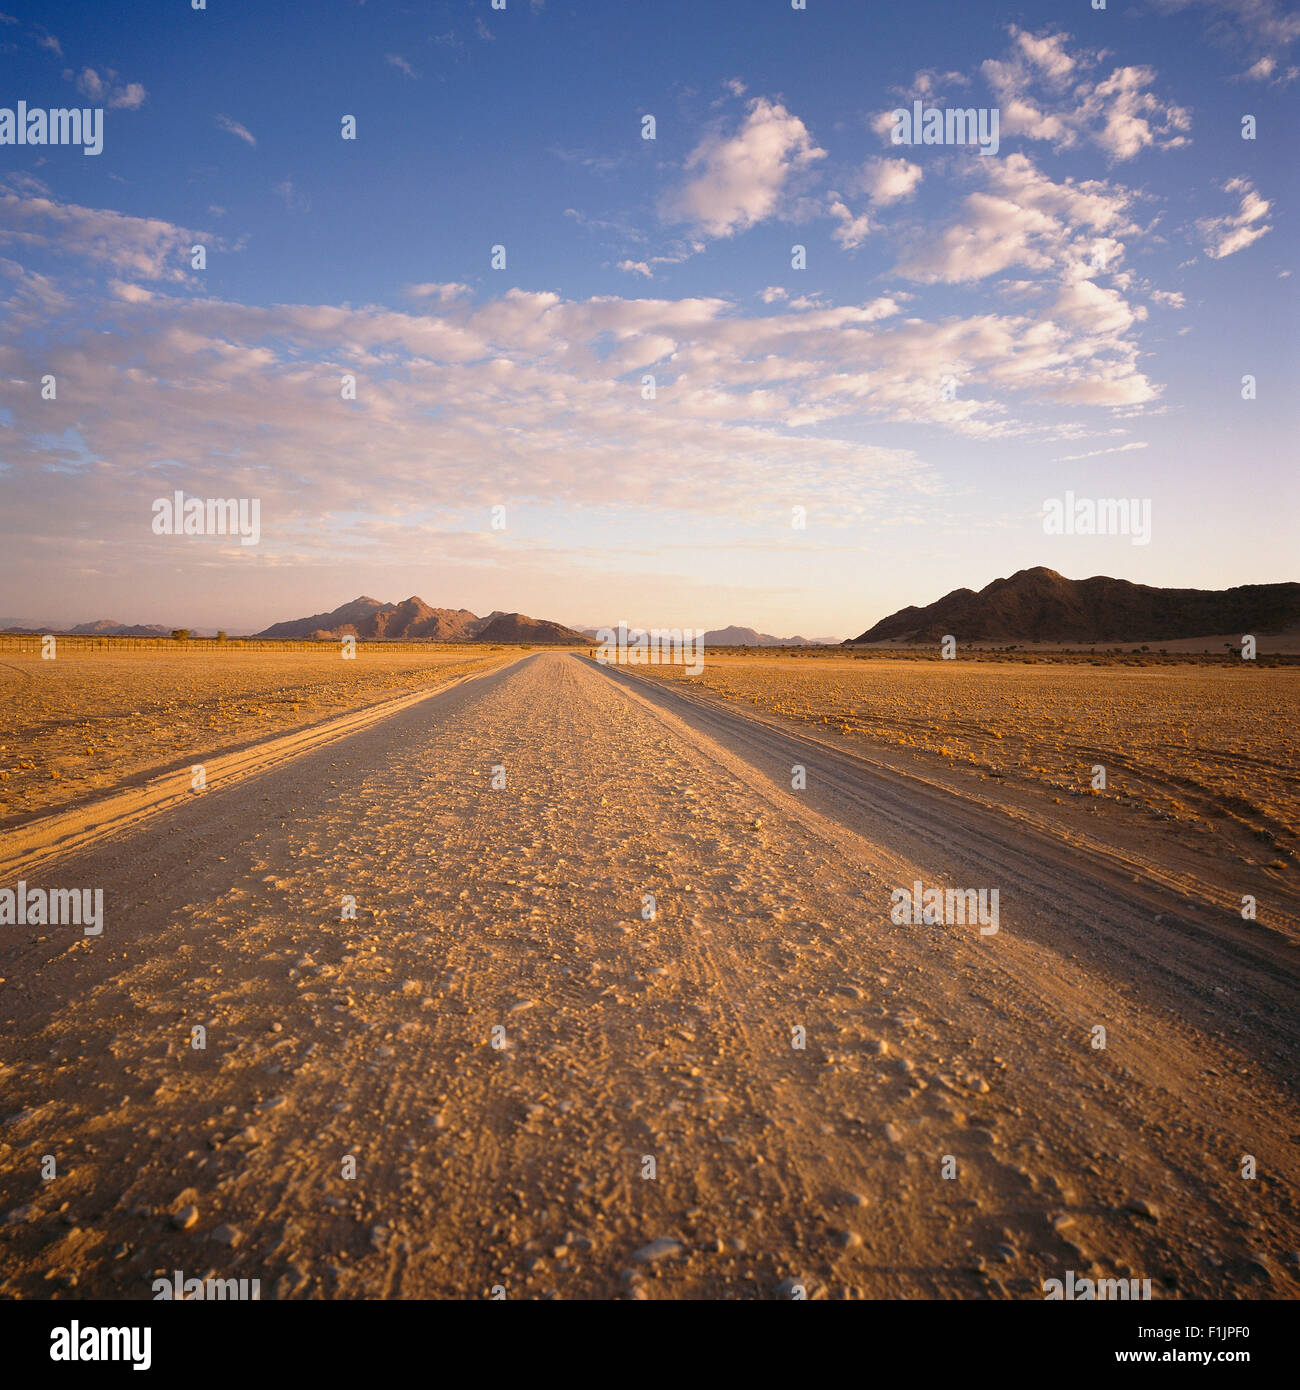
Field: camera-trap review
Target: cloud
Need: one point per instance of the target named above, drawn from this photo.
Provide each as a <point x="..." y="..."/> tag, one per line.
<point x="852" y="231"/>
<point x="1097" y="453"/>
<point x="531" y="387"/>
<point x="636" y="268"/>
<point x="738" y="181"/>
<point x="1047" y="93"/>
<point x="288" y="194"/>
<point x="139" y="247"/>
<point x="397" y="61"/>
<point x="889" y="180"/>
<point x="128" y="96"/>
<point x="48" y="41"/>
<point x="1024" y="218"/>
<point x="1262" y="30"/>
<point x="1224" y="236"/>
<point x="443" y="291"/>
<point x="234" y="128"/>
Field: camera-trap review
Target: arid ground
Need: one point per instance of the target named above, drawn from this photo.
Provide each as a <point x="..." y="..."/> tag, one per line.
<point x="503" y="961"/>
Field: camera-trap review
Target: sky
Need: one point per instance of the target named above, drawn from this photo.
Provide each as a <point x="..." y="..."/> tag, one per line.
<point x="657" y="409"/>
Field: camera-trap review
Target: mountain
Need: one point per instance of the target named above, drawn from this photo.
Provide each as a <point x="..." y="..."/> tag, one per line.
<point x="747" y="637"/>
<point x="109" y="627"/>
<point x="1039" y="605"/>
<point x="101" y="627"/>
<point x="742" y="637"/>
<point x="413" y="618"/>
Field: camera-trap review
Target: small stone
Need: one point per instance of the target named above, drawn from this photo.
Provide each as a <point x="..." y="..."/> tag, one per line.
<point x="850" y="1240"/>
<point x="893" y="1134"/>
<point x="185" y="1217"/>
<point x="1141" y="1207"/>
<point x="227" y="1235"/>
<point x="18" y="1214"/>
<point x="657" y="1249"/>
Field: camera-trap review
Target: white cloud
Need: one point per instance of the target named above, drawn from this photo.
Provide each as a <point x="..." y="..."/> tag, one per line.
<point x="242" y="132"/>
<point x="1224" y="236"/>
<point x="636" y="268"/>
<point x="1026" y="219"/>
<point x="1046" y="93"/>
<point x="852" y="231"/>
<point x="128" y="96"/>
<point x="443" y="291"/>
<point x="141" y="247"/>
<point x="889" y="180"/>
<point x="1097" y="453"/>
<point x="397" y="61"/>
<point x="739" y="180"/>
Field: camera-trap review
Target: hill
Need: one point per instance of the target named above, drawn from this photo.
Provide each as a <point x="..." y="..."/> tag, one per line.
<point x="1039" y="605"/>
<point x="413" y="618"/>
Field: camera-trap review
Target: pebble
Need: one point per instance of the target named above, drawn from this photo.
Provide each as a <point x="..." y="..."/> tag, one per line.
<point x="1141" y="1207"/>
<point x="185" y="1217"/>
<point x="657" y="1249"/>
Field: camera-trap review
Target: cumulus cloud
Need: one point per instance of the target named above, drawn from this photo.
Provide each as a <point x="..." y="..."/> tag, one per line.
<point x="736" y="181"/>
<point x="140" y="247"/>
<point x="546" y="387"/>
<point x="1047" y="93"/>
<point x="1224" y="236"/>
<point x="889" y="180"/>
<point x="852" y="231"/>
<point x="1026" y="219"/>
<point x="106" y="88"/>
<point x="396" y="60"/>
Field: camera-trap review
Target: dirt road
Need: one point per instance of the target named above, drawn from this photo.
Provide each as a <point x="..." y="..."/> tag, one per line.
<point x="550" y="1085"/>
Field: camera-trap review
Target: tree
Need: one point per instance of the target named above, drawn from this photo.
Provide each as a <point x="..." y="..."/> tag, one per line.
<point x="180" y="633"/>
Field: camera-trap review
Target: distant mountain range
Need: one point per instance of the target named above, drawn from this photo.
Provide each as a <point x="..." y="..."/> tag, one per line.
<point x="369" y="618"/>
<point x="1039" y="605"/>
<point x="101" y="627"/>
<point x="743" y="637"/>
<point x="747" y="637"/>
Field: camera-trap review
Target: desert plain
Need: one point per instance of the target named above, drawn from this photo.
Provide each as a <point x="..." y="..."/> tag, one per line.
<point x="474" y="973"/>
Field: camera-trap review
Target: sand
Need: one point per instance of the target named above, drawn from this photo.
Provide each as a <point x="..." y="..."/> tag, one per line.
<point x="506" y="1035"/>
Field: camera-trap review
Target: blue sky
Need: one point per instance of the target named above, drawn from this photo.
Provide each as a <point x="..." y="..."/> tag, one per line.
<point x="971" y="336"/>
